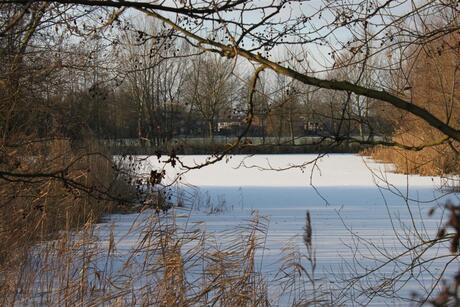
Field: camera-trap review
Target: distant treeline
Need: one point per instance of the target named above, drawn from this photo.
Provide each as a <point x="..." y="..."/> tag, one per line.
<point x="248" y="145"/>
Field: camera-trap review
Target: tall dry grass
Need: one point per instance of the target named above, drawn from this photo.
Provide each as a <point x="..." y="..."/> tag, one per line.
<point x="170" y="263"/>
<point x="48" y="188"/>
<point x="438" y="160"/>
<point x="169" y="266"/>
<point x="431" y="80"/>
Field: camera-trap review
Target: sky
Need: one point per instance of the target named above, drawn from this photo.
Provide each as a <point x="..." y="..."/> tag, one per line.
<point x="318" y="55"/>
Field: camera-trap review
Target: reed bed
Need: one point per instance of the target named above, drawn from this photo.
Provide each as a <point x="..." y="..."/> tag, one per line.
<point x="170" y="264"/>
<point x="51" y="189"/>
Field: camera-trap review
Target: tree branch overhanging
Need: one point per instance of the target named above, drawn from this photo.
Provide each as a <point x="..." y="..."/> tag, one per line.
<point x="190" y="11"/>
<point x="381" y="95"/>
<point x="235" y="50"/>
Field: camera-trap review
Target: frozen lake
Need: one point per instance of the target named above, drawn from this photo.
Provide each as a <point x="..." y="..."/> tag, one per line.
<point x="362" y="216"/>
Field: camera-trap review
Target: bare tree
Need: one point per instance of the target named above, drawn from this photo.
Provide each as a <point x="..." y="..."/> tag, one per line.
<point x="382" y="41"/>
<point x="257" y="32"/>
<point x="211" y="89"/>
<point x="153" y="77"/>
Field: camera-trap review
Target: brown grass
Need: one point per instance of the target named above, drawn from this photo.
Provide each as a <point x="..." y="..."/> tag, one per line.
<point x="39" y="208"/>
<point x="170" y="265"/>
<point x="431" y="80"/>
<point x="434" y="161"/>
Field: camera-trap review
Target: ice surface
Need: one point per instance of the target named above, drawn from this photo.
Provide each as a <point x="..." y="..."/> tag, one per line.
<point x="351" y="199"/>
<point x="337" y="170"/>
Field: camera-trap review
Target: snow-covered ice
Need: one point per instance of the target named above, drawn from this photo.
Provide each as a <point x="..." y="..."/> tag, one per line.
<point x="334" y="170"/>
<point x="354" y="203"/>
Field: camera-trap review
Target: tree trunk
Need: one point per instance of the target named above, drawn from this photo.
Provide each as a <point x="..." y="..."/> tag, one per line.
<point x="210" y="132"/>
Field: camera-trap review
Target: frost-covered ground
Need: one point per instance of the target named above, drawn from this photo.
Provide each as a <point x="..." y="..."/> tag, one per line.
<point x="362" y="214"/>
